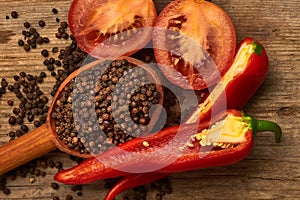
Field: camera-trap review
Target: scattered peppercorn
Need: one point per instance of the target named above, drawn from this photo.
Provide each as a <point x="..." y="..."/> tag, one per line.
<point x="58" y="165"/>
<point x="42" y="23"/>
<point x="6" y="190"/>
<point x="12" y="120"/>
<point x="14" y="14"/>
<point x="45" y="53"/>
<point x="26" y="24"/>
<point x="32" y="31"/>
<point x="21" y="43"/>
<point x="26" y="47"/>
<point x="54" y="10"/>
<point x="24" y="128"/>
<point x="46" y="40"/>
<point x="54" y="50"/>
<point x="37" y="123"/>
<point x="55" y="186"/>
<point x="10" y="102"/>
<point x="64" y="24"/>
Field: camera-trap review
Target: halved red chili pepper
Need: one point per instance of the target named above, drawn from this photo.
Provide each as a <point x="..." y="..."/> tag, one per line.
<point x="239" y="83"/>
<point x="227" y="141"/>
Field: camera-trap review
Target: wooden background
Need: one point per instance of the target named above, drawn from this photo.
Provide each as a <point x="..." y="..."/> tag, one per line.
<point x="271" y="171"/>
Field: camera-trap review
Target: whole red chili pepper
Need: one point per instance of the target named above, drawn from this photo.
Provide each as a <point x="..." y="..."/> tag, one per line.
<point x="227" y="141"/>
<point x="238" y="84"/>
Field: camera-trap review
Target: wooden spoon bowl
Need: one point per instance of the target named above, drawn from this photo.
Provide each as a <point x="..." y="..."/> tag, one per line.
<point x="45" y="139"/>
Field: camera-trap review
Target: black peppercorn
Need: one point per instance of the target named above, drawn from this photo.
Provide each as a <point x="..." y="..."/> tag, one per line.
<point x="14" y="14"/>
<point x="35" y="36"/>
<point x="53" y="73"/>
<point x="12" y="134"/>
<point x="57" y="63"/>
<point x="6" y="190"/>
<point x="61" y="30"/>
<point x="55" y="186"/>
<point x="26" y="47"/>
<point x="12" y="120"/>
<point x="10" y="102"/>
<point x="21" y="43"/>
<point x="19" y="120"/>
<point x="51" y="163"/>
<point x="51" y="60"/>
<point x="30" y="118"/>
<point x="22" y="74"/>
<point x="26" y="24"/>
<point x="58" y="35"/>
<point x="19" y="133"/>
<point x="32" y="30"/>
<point x="64" y="24"/>
<point x="45" y="53"/>
<point x="58" y="165"/>
<point x="46" y="40"/>
<point x="42" y="23"/>
<point x="39" y="40"/>
<point x="50" y="67"/>
<point x="54" y="10"/>
<point x="37" y="123"/>
<point x="24" y="128"/>
<point x="43" y="75"/>
<point x="65" y="36"/>
<point x="54" y="49"/>
<point x="10" y="88"/>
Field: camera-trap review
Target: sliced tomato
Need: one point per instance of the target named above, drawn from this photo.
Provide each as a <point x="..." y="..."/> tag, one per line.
<point x="194" y="43"/>
<point x="111" y="27"/>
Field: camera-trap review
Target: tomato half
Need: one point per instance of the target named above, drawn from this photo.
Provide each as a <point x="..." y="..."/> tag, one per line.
<point x="111" y="27"/>
<point x="194" y="43"/>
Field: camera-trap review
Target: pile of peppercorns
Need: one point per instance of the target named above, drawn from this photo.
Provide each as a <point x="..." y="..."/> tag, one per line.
<point x="33" y="102"/>
<point x="120" y="113"/>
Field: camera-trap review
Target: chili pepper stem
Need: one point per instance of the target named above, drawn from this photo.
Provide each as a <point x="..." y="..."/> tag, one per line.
<point x="265" y="125"/>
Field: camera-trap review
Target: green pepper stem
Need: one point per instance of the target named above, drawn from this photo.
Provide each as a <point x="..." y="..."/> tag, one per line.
<point x="264" y="125"/>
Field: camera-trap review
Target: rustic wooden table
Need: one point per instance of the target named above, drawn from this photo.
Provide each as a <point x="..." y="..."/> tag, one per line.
<point x="271" y="171"/>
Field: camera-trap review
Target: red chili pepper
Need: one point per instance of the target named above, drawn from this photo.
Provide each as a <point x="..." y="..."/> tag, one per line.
<point x="131" y="181"/>
<point x="136" y="153"/>
<point x="227" y="141"/>
<point x="239" y="83"/>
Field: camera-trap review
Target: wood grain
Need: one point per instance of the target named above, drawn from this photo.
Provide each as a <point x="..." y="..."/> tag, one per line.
<point x="271" y="171"/>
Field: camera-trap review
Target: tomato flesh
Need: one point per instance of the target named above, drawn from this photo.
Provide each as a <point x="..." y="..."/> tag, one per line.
<point x="111" y="27"/>
<point x="183" y="25"/>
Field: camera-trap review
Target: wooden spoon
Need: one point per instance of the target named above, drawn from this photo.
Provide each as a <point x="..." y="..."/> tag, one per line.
<point x="44" y="139"/>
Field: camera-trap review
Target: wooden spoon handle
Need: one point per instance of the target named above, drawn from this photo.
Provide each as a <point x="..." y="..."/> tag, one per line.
<point x="25" y="148"/>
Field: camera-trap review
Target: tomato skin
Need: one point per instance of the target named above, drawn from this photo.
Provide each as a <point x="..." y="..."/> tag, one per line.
<point x="83" y="13"/>
<point x="214" y="32"/>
